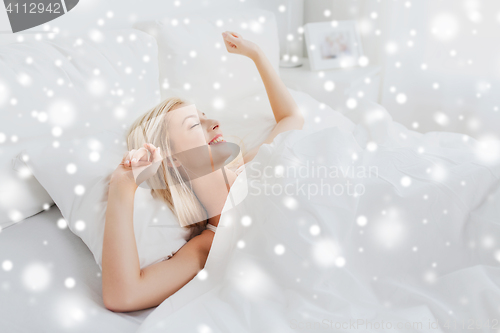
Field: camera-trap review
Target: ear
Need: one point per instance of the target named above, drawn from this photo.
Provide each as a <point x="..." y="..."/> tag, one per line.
<point x="173" y="162"/>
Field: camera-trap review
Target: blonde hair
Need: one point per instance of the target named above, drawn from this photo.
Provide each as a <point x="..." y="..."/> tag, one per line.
<point x="168" y="184"/>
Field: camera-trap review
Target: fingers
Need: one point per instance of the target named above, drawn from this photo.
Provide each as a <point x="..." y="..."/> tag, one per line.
<point x="233" y="41"/>
<point x="229" y="46"/>
<point x="127" y="157"/>
<point x="231" y="37"/>
<point x="140" y="154"/>
<point x="235" y="34"/>
<point x="139" y="158"/>
<point x="155" y="152"/>
<point x="135" y="156"/>
<point x="157" y="155"/>
<point x="152" y="149"/>
<point x="124" y="157"/>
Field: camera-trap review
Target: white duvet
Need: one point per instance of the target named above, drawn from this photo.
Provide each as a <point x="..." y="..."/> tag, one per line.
<point x="417" y="247"/>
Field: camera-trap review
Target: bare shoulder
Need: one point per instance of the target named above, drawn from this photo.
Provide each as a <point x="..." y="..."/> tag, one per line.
<point x="203" y="243"/>
<point x="207" y="234"/>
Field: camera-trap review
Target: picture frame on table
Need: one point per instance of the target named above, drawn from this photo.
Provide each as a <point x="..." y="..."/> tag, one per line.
<point x="333" y="44"/>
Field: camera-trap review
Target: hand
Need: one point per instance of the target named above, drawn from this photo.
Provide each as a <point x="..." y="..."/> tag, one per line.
<point x="136" y="166"/>
<point x="237" y="45"/>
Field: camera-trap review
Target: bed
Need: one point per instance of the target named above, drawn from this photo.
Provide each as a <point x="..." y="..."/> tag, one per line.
<point x="35" y="296"/>
<point x="403" y="252"/>
<point x="45" y="254"/>
<point x="56" y="284"/>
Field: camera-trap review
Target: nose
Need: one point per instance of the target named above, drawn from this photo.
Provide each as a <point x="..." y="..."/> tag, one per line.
<point x="214" y="125"/>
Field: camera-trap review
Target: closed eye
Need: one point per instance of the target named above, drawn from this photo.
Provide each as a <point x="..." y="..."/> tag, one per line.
<point x="194" y="125"/>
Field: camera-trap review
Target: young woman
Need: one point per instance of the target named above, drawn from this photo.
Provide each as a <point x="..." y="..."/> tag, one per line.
<point x="166" y="133"/>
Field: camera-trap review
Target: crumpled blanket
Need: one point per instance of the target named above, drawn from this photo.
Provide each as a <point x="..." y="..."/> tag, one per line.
<point x="371" y="229"/>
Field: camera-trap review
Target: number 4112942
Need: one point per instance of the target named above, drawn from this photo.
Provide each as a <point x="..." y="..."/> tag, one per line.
<point x="34" y="8"/>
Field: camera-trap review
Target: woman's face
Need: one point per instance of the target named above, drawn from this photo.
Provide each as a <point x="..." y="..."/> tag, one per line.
<point x="199" y="152"/>
<point x="196" y="142"/>
<point x="190" y="128"/>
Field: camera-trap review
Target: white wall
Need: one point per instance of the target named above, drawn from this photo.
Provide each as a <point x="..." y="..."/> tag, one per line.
<point x="123" y="14"/>
<point x="458" y="43"/>
<point x="314" y="11"/>
<point x="114" y="14"/>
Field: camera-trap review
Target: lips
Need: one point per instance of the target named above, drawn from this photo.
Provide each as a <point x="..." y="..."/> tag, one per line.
<point x="217" y="139"/>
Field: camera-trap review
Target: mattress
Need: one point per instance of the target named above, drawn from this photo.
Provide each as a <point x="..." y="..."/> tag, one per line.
<point x="54" y="284"/>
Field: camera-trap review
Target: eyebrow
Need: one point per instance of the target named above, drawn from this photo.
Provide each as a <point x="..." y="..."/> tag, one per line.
<point x="191" y="116"/>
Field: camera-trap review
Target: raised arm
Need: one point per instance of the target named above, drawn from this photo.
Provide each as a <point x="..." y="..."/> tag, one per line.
<point x="125" y="287"/>
<point x="286" y="111"/>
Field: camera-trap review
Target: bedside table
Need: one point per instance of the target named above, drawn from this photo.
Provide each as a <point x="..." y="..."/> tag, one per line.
<point x="335" y="87"/>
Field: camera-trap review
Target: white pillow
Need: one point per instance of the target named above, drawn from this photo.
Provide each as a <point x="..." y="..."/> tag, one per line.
<point x="248" y="128"/>
<point x="194" y="61"/>
<point x="76" y="175"/>
<point x="50" y="90"/>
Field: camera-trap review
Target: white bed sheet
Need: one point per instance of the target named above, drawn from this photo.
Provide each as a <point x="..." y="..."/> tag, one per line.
<point x="428" y="238"/>
<point x="43" y="254"/>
